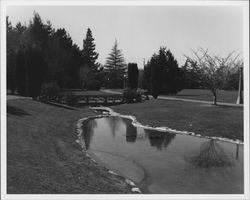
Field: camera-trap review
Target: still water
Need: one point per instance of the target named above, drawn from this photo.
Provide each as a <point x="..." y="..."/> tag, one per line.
<point x="162" y="162"/>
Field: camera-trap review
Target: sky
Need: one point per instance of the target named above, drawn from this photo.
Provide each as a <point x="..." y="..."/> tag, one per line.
<point x="141" y="30"/>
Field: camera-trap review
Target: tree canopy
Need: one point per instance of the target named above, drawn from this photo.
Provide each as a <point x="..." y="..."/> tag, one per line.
<point x="214" y="70"/>
<point x="162" y="74"/>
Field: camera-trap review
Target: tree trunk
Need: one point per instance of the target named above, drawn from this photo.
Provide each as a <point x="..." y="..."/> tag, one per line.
<point x="240" y="96"/>
<point x="215" y="99"/>
<point x="214" y="92"/>
<point x="26" y="75"/>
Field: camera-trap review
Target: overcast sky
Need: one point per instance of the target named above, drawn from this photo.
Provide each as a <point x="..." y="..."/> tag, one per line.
<point x="140" y="31"/>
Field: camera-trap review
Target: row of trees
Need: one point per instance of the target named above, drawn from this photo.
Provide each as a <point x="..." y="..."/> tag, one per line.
<point x="38" y="55"/>
<point x="162" y="75"/>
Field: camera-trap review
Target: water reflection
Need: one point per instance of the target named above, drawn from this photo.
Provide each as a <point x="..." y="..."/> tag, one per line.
<point x="211" y="155"/>
<point x="159" y="139"/>
<point x="114" y="123"/>
<point x="88" y="131"/>
<point x="131" y="133"/>
<point x="189" y="165"/>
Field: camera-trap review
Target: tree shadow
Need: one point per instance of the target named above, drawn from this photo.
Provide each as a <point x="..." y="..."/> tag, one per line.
<point x="211" y="155"/>
<point x="16" y="111"/>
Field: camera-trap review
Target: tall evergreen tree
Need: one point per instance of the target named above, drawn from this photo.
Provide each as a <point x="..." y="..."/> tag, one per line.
<point x="163" y="74"/>
<point x="133" y="74"/>
<point x="89" y="54"/>
<point x="115" y="66"/>
<point x="89" y="68"/>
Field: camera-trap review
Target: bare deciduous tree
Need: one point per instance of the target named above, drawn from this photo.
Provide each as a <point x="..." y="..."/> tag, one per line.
<point x="214" y="69"/>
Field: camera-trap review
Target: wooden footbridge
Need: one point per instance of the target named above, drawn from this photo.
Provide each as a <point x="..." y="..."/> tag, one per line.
<point x="85" y="99"/>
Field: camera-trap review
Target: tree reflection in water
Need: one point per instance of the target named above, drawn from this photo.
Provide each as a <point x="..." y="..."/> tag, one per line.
<point x="131" y="132"/>
<point x="159" y="139"/>
<point x="114" y="123"/>
<point x="211" y="155"/>
<point x="88" y="131"/>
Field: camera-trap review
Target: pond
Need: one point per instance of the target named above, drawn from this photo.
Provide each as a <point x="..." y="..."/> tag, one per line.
<point x="162" y="162"/>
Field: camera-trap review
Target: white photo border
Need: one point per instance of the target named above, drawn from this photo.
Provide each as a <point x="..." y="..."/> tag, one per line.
<point x="4" y="4"/>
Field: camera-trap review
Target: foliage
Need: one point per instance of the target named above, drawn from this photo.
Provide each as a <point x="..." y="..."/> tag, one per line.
<point x="90" y="69"/>
<point x="162" y="74"/>
<point x="214" y="70"/>
<point x="50" y="89"/>
<point x="37" y="54"/>
<point x="115" y="67"/>
<point x="88" y="53"/>
<point x="191" y="72"/>
<point x="94" y="85"/>
<point x="132" y="96"/>
<point x="133" y="74"/>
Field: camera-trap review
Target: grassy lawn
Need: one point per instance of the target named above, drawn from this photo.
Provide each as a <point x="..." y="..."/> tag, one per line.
<point x="43" y="157"/>
<point x="204" y="119"/>
<point x="198" y="94"/>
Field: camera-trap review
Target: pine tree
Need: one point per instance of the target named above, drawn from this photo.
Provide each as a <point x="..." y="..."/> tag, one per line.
<point x="88" y="52"/>
<point x="90" y="67"/>
<point x="115" y="66"/>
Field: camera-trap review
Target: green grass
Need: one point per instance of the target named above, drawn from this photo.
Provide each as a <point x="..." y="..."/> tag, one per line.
<point x="225" y="96"/>
<point x="43" y="157"/>
<point x="198" y="94"/>
<point x="204" y="119"/>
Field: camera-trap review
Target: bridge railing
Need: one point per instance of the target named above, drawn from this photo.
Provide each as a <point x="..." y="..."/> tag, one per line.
<point x="86" y="99"/>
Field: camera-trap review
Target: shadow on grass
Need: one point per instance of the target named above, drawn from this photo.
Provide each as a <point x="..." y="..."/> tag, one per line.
<point x="16" y="111"/>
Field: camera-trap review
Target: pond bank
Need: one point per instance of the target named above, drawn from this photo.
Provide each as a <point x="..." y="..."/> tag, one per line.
<point x="202" y="119"/>
<point x="43" y="157"/>
<point x="160" y="161"/>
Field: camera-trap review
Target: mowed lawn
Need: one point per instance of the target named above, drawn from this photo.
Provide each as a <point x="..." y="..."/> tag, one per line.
<point x="225" y="96"/>
<point x="43" y="157"/>
<point x="199" y="94"/>
<point x="204" y="119"/>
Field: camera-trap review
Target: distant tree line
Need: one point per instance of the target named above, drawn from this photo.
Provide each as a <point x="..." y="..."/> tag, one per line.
<point x="41" y="57"/>
<point x="38" y="54"/>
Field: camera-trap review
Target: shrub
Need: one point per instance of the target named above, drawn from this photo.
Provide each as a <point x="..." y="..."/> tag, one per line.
<point x="50" y="89"/>
<point x="132" y="96"/>
<point x="93" y="85"/>
<point x="144" y="94"/>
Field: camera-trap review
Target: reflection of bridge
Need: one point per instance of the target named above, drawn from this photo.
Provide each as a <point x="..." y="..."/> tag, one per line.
<point x="98" y="99"/>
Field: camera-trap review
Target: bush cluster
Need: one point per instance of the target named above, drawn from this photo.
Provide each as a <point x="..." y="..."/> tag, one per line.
<point x="93" y="85"/>
<point x="132" y="96"/>
<point x="50" y="89"/>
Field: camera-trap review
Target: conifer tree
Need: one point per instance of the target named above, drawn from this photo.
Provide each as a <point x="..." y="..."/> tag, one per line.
<point x="89" y="54"/>
<point x="115" y="66"/>
<point x="90" y="67"/>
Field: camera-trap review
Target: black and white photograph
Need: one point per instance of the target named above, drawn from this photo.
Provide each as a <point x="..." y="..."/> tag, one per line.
<point x="124" y="100"/>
